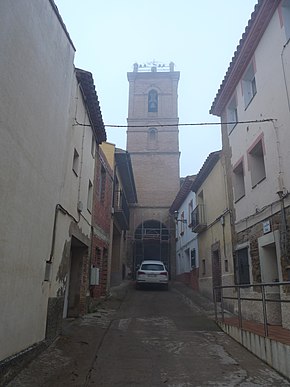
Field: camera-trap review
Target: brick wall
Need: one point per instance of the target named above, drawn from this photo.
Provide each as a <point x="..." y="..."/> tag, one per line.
<point x="251" y="235"/>
<point x="102" y="206"/>
<point x="190" y="278"/>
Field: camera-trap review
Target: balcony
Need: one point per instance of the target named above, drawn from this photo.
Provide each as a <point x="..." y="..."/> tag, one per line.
<point x="198" y="222"/>
<point x="121" y="210"/>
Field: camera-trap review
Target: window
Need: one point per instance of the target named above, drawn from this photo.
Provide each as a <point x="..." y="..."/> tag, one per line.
<point x="152" y="267"/>
<point x="242" y="272"/>
<point x="190" y="209"/>
<point x="152" y="101"/>
<point x="239" y="181"/>
<point x="93" y="146"/>
<point x="232" y="114"/>
<point x="182" y="223"/>
<point x="226" y="265"/>
<point x="152" y="138"/>
<point x="76" y="161"/>
<point x="102" y="187"/>
<point x="193" y="258"/>
<point x="285" y="10"/>
<point x="90" y="196"/>
<point x="256" y="163"/>
<point x="203" y="267"/>
<point x="249" y="84"/>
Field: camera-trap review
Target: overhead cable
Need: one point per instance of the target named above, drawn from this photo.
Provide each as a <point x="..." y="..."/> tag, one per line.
<point x="193" y="124"/>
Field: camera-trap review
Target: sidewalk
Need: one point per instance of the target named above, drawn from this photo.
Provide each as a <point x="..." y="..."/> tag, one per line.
<point x="69" y="359"/>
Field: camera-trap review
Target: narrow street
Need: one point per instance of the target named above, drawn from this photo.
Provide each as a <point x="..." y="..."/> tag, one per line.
<point x="147" y="338"/>
<point x="158" y="340"/>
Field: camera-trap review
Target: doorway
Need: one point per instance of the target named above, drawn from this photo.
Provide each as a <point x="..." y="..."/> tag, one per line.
<point x="270" y="273"/>
<point x="216" y="273"/>
<point x="73" y="296"/>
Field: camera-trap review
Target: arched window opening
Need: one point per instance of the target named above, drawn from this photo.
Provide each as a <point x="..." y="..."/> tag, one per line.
<point x="152" y="101"/>
<point x="152" y="240"/>
<point x="152" y="138"/>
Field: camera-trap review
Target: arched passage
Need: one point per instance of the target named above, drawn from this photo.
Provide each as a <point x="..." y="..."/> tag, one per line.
<point x="151" y="242"/>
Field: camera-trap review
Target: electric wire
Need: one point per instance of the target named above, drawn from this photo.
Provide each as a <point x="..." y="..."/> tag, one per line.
<point x="183" y="124"/>
<point x="193" y="124"/>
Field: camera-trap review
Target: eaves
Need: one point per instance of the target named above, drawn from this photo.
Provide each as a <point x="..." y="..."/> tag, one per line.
<point x="88" y="90"/>
<point x="255" y="29"/>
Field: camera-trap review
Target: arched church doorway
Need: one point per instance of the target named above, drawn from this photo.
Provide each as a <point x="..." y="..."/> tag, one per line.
<point x="151" y="241"/>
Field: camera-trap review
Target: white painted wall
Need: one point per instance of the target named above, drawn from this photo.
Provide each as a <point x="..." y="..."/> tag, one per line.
<point x="186" y="239"/>
<point x="271" y="101"/>
<point x="36" y="72"/>
<point x="74" y="187"/>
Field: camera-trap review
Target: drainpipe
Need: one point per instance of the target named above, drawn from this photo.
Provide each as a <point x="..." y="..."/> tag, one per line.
<point x="284" y="74"/>
<point x="283" y="233"/>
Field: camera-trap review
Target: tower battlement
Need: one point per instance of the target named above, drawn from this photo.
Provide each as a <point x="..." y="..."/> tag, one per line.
<point x="153" y="67"/>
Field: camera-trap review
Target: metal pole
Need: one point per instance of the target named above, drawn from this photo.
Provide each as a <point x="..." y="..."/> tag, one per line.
<point x="264" y="311"/>
<point x="222" y="304"/>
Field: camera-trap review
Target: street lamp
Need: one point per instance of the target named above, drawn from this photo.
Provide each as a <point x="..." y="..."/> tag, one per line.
<point x="176" y="213"/>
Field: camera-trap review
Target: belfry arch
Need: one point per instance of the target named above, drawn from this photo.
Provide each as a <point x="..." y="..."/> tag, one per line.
<point x="152" y="241"/>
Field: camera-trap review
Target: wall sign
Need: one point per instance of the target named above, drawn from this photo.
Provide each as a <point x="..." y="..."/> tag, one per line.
<point x="266" y="226"/>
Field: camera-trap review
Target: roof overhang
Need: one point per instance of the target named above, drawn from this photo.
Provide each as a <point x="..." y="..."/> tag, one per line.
<point x="124" y="165"/>
<point x="205" y="170"/>
<point x="86" y="82"/>
<point x="184" y="190"/>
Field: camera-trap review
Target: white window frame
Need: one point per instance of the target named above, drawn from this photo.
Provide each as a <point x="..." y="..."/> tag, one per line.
<point x="256" y="161"/>
<point x="232" y="114"/>
<point x="239" y="180"/>
<point x="249" y="84"/>
<point x="76" y="162"/>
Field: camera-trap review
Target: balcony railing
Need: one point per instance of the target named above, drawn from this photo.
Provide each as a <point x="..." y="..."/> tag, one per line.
<point x="198" y="222"/>
<point x="121" y="210"/>
<point x="267" y="298"/>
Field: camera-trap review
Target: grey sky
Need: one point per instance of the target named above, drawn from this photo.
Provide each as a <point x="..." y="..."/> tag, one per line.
<point x="200" y="37"/>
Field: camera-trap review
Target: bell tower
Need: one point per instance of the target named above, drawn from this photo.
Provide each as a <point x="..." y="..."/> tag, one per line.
<point x="152" y="141"/>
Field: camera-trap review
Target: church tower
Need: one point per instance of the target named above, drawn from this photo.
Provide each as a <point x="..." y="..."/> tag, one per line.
<point x="152" y="141"/>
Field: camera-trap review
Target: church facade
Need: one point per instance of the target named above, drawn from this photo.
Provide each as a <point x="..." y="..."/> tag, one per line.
<point x="152" y="141"/>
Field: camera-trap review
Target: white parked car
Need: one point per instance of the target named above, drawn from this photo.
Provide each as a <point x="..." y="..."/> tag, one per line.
<point x="152" y="272"/>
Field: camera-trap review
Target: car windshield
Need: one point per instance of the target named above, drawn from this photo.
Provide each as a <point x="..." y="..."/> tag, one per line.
<point x="152" y="266"/>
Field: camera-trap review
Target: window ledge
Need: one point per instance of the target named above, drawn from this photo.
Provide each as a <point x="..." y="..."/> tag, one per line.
<point x="241" y="197"/>
<point x="232" y="129"/>
<point x="249" y="103"/>
<point x="260" y="181"/>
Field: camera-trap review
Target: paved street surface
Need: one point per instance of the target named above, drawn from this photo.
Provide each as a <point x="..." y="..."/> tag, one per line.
<point x="148" y="338"/>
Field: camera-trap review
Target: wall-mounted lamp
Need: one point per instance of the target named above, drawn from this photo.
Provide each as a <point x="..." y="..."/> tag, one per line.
<point x="176" y="213"/>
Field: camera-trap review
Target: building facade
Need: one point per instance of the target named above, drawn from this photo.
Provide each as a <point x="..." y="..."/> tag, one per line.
<point x="152" y="141"/>
<point x="102" y="226"/>
<point x="125" y="199"/>
<point x="50" y="132"/>
<point x="253" y="104"/>
<point x="32" y="162"/>
<point x="187" y="262"/>
<point x="211" y="220"/>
